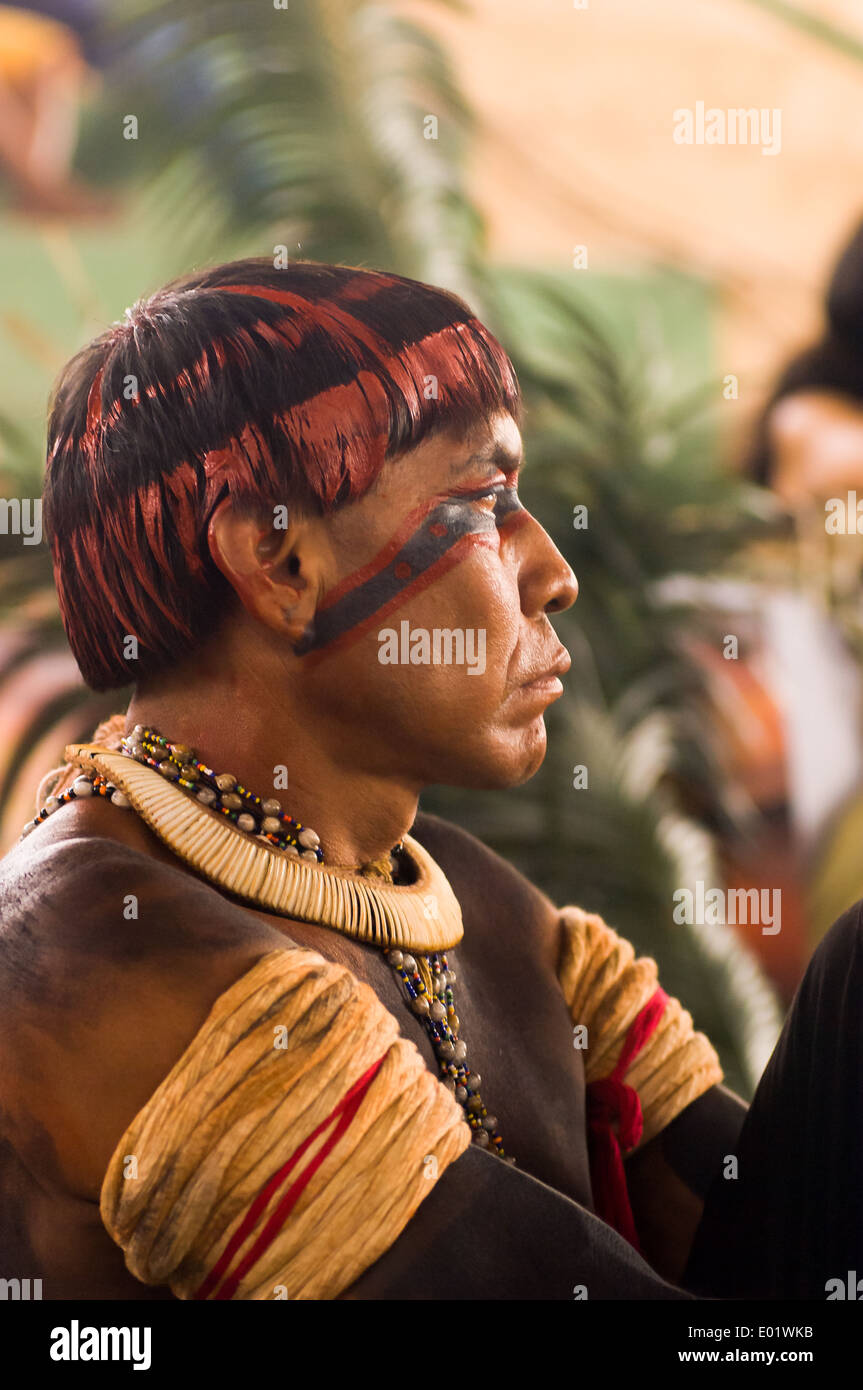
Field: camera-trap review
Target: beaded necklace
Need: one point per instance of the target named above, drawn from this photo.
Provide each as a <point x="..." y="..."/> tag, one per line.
<point x="426" y="980"/>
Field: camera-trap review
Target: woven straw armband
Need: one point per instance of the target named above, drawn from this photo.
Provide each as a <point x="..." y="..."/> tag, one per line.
<point x="289" y="1146"/>
<point x="605" y="988"/>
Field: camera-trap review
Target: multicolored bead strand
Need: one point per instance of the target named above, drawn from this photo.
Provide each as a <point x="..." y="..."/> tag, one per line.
<point x="221" y="791"/>
<point x="428" y="982"/>
<point x="88" y="784"/>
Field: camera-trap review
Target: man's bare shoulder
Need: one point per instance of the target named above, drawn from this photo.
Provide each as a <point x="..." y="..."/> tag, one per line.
<point x="494" y="896"/>
<point x="95" y="894"/>
<point x="109" y="964"/>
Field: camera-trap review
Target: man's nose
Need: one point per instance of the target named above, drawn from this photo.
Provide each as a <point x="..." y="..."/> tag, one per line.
<point x="547" y="581"/>
<point x="566" y="589"/>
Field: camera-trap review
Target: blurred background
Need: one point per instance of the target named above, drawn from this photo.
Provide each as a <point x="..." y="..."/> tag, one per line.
<point x="686" y="320"/>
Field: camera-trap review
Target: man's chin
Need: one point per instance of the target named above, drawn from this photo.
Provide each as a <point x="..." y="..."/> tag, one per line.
<point x="530" y="769"/>
<point x="505" y="768"/>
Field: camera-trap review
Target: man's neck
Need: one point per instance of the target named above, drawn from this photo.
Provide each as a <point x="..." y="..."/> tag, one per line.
<point x="358" y="815"/>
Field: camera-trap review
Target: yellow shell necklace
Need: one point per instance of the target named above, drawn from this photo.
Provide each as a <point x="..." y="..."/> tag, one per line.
<point x="217" y="827"/>
<point x="257" y="852"/>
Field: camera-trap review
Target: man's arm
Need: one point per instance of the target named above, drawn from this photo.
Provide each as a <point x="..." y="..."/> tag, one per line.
<point x="109" y="964"/>
<point x="669" y="1177"/>
<point x="490" y="1231"/>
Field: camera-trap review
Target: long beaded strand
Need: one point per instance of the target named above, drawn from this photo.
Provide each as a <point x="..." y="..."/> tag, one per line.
<point x="90" y="783"/>
<point x="431" y="999"/>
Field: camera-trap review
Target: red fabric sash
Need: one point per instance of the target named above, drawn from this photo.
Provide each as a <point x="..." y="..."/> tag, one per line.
<point x="609" y="1099"/>
<point x="347" y="1109"/>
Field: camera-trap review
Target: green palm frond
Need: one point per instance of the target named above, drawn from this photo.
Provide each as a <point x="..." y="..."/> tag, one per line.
<point x="311" y="127"/>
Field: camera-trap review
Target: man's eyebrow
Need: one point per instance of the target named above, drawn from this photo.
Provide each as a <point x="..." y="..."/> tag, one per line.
<point x="496" y="454"/>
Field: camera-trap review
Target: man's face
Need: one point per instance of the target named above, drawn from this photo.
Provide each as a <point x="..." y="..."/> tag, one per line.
<point x="431" y="657"/>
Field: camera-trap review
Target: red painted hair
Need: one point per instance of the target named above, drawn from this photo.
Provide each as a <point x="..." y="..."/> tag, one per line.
<point x="272" y="386"/>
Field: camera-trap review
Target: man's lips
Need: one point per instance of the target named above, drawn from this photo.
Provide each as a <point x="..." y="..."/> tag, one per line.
<point x="550" y="675"/>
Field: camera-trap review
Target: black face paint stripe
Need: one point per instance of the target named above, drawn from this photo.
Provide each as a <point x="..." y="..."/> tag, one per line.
<point x="446" y="524"/>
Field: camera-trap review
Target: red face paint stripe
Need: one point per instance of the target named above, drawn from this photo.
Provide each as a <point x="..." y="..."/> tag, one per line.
<point x="384" y="556"/>
<point x="346" y="1109"/>
<point x="396" y="542"/>
<point x="453" y="556"/>
<point x="363" y="594"/>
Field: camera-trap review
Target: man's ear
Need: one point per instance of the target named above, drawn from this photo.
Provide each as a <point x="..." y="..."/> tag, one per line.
<point x="271" y="569"/>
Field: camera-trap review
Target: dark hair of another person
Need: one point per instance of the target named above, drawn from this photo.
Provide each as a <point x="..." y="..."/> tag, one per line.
<point x="834" y="364"/>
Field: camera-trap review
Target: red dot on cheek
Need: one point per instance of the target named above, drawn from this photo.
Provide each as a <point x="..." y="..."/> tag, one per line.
<point x="402" y="571"/>
<point x="437" y="529"/>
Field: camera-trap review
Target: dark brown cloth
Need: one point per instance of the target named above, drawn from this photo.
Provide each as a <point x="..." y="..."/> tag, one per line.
<point x="793" y="1218"/>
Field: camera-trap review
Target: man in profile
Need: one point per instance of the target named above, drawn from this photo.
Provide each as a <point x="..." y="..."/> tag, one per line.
<point x="268" y="1031"/>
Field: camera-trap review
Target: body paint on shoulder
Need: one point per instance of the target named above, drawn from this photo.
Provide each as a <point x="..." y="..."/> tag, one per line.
<point x="433" y="538"/>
